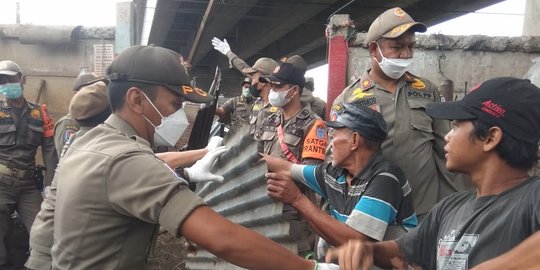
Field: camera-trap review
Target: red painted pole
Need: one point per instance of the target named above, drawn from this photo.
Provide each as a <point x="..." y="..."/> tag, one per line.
<point x="337" y="58"/>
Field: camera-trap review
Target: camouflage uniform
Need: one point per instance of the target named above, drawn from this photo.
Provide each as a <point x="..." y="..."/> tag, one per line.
<point x="63" y="129"/>
<point x="306" y="137"/>
<point x="415" y="141"/>
<point x="21" y="133"/>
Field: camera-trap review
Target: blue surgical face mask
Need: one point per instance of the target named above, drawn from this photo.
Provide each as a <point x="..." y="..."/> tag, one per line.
<point x="11" y="90"/>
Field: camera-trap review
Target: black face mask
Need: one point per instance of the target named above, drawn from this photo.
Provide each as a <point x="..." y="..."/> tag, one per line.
<point x="254" y="91"/>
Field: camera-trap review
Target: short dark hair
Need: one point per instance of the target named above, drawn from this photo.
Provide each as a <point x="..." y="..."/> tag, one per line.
<point x="117" y="90"/>
<point x="518" y="154"/>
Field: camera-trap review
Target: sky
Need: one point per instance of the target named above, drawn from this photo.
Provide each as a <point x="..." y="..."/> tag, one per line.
<point x="503" y="19"/>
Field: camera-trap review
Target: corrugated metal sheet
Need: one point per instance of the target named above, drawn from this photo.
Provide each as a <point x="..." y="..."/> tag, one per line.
<point x="242" y="197"/>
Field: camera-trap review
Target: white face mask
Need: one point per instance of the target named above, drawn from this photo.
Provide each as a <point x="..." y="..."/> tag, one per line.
<point x="393" y="67"/>
<point x="279" y="99"/>
<point x="171" y="128"/>
<point x="245" y="91"/>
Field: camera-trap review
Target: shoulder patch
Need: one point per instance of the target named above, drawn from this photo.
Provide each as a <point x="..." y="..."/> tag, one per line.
<point x="4" y="115"/>
<point x="316" y="141"/>
<point x="35" y="113"/>
<point x="273" y="109"/>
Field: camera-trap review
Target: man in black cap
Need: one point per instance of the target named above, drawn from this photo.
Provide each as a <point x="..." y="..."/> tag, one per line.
<point x="415" y="140"/>
<point x="366" y="193"/>
<point x="496" y="226"/>
<point x="294" y="133"/>
<point x="113" y="191"/>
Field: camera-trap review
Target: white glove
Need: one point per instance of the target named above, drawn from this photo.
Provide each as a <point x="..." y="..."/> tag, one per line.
<point x="327" y="266"/>
<point x="200" y="171"/>
<point x="221" y="46"/>
<point x="214" y="143"/>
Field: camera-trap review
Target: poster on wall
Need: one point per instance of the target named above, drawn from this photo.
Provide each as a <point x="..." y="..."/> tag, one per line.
<point x="103" y="56"/>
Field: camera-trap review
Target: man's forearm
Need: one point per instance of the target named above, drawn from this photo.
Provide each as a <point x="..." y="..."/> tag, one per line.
<point x="387" y="254"/>
<point x="333" y="231"/>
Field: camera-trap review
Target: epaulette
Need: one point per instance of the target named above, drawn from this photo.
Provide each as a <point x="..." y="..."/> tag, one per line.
<point x="304" y="114"/>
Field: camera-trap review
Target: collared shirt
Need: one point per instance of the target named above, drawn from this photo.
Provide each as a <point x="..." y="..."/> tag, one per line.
<point x="377" y="197"/>
<point x="111" y="194"/>
<point x="238" y="109"/>
<point x="304" y="134"/>
<point x="415" y="140"/>
<point x="20" y="137"/>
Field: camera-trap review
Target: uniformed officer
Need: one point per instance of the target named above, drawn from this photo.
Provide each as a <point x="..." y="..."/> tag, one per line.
<point x="24" y="126"/>
<point x="238" y="108"/>
<point x="293" y="132"/>
<point x="88" y="107"/>
<point x="66" y="125"/>
<point x="415" y="141"/>
<point x="107" y="216"/>
<point x="263" y="66"/>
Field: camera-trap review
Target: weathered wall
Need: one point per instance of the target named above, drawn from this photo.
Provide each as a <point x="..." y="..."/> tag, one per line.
<point x="57" y="64"/>
<point x="466" y="60"/>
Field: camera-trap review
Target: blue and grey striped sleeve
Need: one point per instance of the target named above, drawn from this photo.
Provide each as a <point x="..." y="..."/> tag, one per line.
<point x="307" y="174"/>
<point x="378" y="207"/>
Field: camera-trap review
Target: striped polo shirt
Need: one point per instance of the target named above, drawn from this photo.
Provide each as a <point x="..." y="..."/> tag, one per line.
<point x="377" y="197"/>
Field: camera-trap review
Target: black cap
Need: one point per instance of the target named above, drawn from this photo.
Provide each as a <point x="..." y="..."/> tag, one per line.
<point x="286" y="73"/>
<point x="155" y="65"/>
<point x="362" y="119"/>
<point x="509" y="103"/>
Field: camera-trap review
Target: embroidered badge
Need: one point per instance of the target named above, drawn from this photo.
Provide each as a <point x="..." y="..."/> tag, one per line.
<point x="35" y="113"/>
<point x="273" y="109"/>
<point x="399" y="12"/>
<point x="418" y="84"/>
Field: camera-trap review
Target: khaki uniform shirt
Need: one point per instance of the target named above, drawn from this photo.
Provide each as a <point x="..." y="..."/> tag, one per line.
<point x="236" y="62"/>
<point x="259" y="113"/>
<point x="21" y="136"/>
<point x="238" y="109"/>
<point x="63" y="129"/>
<point x="415" y="141"/>
<point x="111" y="194"/>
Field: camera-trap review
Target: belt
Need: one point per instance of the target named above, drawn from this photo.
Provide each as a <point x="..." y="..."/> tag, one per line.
<point x="23" y="174"/>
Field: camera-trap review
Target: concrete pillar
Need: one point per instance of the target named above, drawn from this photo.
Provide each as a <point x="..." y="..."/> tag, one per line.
<point x="531" y="20"/>
<point x="124" y="33"/>
<point x="336" y="33"/>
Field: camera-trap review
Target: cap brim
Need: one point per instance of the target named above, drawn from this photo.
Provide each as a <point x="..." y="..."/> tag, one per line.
<point x="334" y="124"/>
<point x="400" y="29"/>
<point x="8" y="72"/>
<point x="449" y="111"/>
<point x="249" y="70"/>
<point x="190" y="93"/>
<point x="272" y="79"/>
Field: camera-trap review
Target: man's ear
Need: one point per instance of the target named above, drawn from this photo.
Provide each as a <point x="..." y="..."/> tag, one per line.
<point x="372" y="48"/>
<point x="356" y="140"/>
<point x="134" y="100"/>
<point x="493" y="138"/>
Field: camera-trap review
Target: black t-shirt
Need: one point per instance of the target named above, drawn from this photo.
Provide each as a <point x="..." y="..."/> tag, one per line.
<point x="463" y="231"/>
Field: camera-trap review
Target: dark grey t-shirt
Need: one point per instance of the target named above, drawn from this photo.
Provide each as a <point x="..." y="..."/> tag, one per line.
<point x="462" y="231"/>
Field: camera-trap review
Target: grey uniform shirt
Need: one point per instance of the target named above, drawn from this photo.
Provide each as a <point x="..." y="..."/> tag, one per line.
<point x="111" y="194"/>
<point x="463" y="231"/>
<point x="415" y="141"/>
